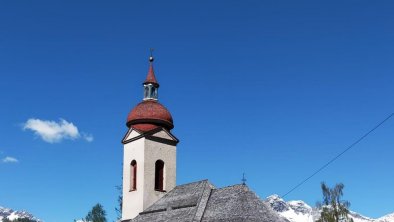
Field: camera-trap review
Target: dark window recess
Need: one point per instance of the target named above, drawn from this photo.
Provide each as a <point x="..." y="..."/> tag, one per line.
<point x="146" y="92"/>
<point x="159" y="175"/>
<point x="133" y="175"/>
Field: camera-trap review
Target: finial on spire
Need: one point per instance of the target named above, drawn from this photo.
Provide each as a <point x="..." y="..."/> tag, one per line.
<point x="243" y="179"/>
<point x="151" y="55"/>
<point x="150" y="78"/>
<point x="150" y="84"/>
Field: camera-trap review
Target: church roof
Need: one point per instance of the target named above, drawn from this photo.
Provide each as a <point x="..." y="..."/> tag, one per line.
<point x="202" y="202"/>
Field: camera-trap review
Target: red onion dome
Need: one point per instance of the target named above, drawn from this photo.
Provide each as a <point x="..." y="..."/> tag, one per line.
<point x="148" y="115"/>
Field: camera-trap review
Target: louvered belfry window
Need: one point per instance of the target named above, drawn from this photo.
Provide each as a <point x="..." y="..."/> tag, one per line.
<point x="159" y="175"/>
<point x="133" y="175"/>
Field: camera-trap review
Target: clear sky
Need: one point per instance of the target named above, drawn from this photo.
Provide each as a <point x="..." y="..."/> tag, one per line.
<point x="274" y="89"/>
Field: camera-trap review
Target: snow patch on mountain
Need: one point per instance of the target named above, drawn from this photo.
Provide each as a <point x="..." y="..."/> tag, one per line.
<point x="13" y="215"/>
<point x="299" y="211"/>
<point x="294" y="211"/>
<point x="387" y="218"/>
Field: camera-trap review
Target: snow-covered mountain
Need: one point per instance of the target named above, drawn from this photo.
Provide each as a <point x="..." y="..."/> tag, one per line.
<point x="12" y="214"/>
<point x="299" y="211"/>
<point x="387" y="218"/>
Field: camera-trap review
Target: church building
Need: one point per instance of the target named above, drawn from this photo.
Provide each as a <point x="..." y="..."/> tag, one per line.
<point x="150" y="192"/>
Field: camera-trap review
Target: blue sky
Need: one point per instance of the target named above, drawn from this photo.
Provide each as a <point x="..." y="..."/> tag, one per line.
<point x="274" y="89"/>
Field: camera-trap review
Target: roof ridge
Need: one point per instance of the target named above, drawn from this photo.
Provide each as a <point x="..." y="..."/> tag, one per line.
<point x="168" y="193"/>
<point x="203" y="201"/>
<point x="202" y="183"/>
<point x="234" y="185"/>
<point x="185" y="184"/>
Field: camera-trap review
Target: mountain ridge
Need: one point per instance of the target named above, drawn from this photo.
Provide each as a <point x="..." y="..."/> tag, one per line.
<point x="15" y="214"/>
<point x="299" y="211"/>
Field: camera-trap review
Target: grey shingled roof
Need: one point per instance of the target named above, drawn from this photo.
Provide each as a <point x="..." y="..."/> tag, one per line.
<point x="237" y="203"/>
<point x="202" y="202"/>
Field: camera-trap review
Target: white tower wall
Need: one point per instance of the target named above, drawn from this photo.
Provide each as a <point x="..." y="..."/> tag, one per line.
<point x="132" y="200"/>
<point x="158" y="151"/>
<point x="146" y="152"/>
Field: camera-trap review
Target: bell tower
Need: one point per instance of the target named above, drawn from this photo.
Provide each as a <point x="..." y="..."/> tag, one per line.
<point x="149" y="158"/>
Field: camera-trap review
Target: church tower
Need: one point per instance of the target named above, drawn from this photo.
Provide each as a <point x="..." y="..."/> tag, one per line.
<point x="149" y="159"/>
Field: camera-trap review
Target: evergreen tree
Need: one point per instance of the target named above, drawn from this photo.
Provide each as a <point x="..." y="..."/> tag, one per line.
<point x="97" y="214"/>
<point x="333" y="208"/>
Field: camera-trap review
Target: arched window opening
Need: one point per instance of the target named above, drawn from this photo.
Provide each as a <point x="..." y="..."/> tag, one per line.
<point x="154" y="93"/>
<point x="159" y="175"/>
<point x="133" y="175"/>
<point x="146" y="91"/>
<point x="150" y="92"/>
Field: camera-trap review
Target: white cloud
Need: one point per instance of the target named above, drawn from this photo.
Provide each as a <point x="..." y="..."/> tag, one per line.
<point x="9" y="159"/>
<point x="54" y="132"/>
<point x="88" y="137"/>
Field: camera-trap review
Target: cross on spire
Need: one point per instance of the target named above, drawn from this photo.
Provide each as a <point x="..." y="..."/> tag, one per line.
<point x="243" y="179"/>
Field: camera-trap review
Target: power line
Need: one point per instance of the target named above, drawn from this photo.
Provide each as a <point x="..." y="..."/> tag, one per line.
<point x="340" y="154"/>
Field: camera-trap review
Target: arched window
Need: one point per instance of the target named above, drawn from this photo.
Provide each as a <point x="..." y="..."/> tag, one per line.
<point x="154" y="93"/>
<point x="159" y="175"/>
<point x="150" y="91"/>
<point x="146" y="91"/>
<point x="133" y="175"/>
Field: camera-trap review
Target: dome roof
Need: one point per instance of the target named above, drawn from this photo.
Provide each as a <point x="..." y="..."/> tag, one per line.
<point x="148" y="115"/>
